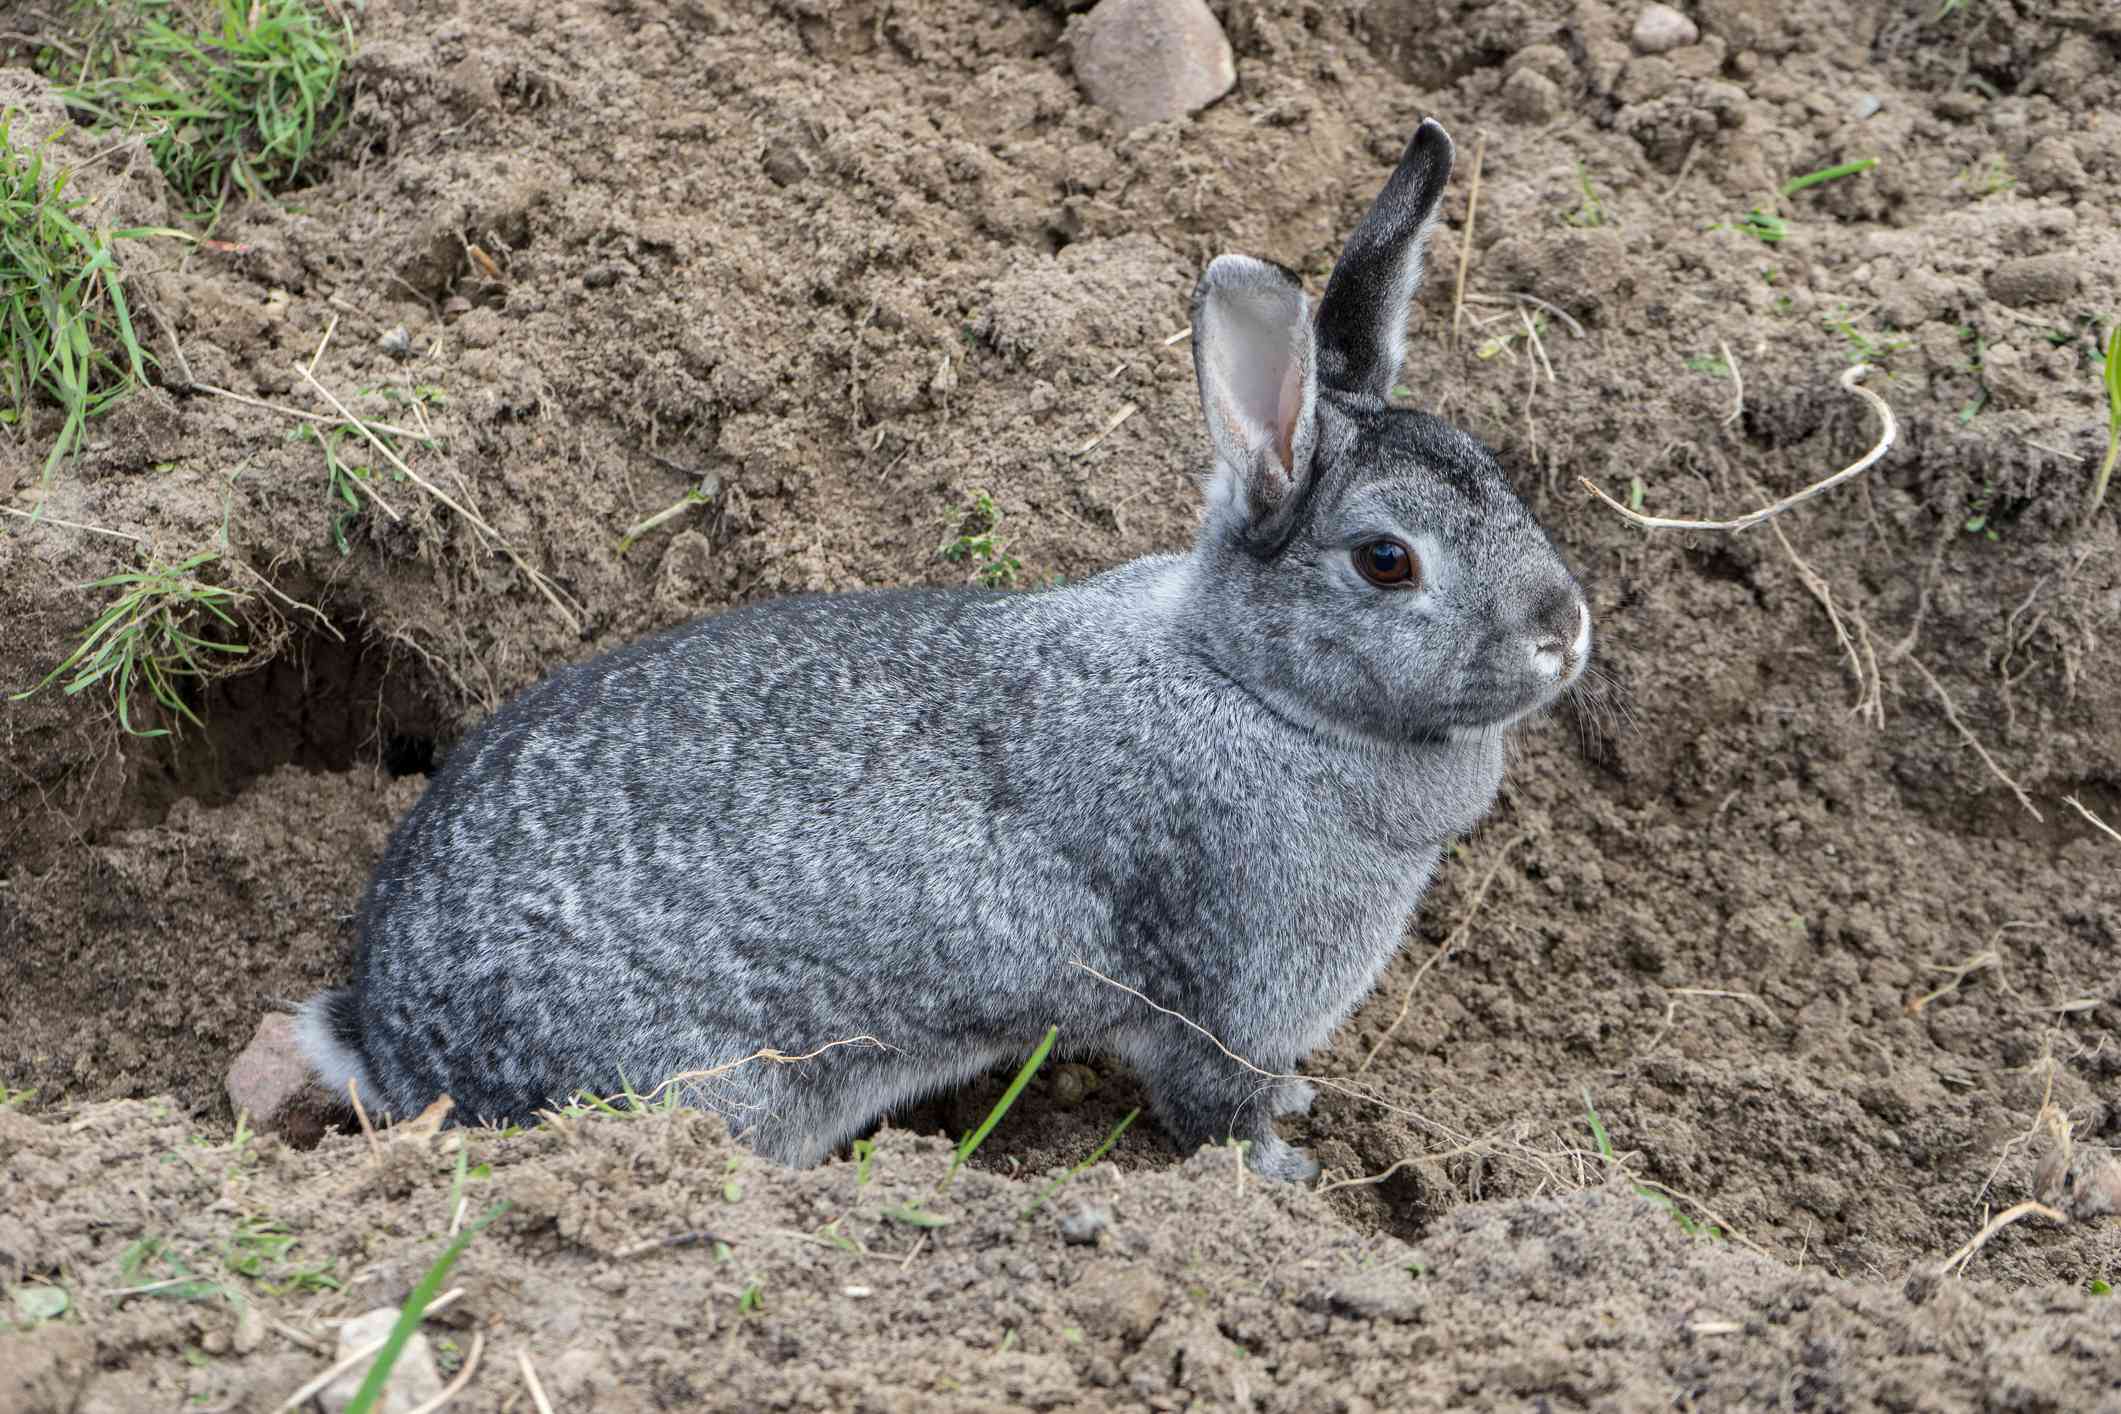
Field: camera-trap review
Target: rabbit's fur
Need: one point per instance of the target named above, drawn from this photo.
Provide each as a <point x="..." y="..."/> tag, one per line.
<point x="1221" y="778"/>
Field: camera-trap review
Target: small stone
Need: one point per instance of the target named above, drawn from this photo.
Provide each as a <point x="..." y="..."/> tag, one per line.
<point x="1071" y="1082"/>
<point x="412" y="1382"/>
<point x="1083" y="1226"/>
<point x="2034" y="279"/>
<point x="1660" y="28"/>
<point x="1151" y="61"/>
<point x="1530" y="97"/>
<point x="396" y="342"/>
<point x="272" y="1083"/>
<point x="455" y="308"/>
<point x="250" y="1329"/>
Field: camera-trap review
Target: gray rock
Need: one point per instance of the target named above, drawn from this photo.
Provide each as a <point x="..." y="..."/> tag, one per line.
<point x="1660" y="27"/>
<point x="413" y="1380"/>
<point x="1151" y="61"/>
<point x="2034" y="279"/>
<point x="1085" y="1224"/>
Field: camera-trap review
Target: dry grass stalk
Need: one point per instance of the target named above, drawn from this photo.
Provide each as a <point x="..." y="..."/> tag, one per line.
<point x="375" y="1146"/>
<point x="2077" y="805"/>
<point x="1671" y="1007"/>
<point x="544" y="586"/>
<point x="533" y="1383"/>
<point x="1951" y="714"/>
<point x="1863" y="661"/>
<point x="37" y="519"/>
<point x="308" y="1391"/>
<point x="1730" y="362"/>
<point x="1442" y="950"/>
<point x="1465" y="243"/>
<point x="2030" y="1208"/>
<point x="1889" y="433"/>
<point x="456" y="1386"/>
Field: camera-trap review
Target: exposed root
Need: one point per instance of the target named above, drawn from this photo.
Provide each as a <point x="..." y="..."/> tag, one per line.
<point x="1889" y="433"/>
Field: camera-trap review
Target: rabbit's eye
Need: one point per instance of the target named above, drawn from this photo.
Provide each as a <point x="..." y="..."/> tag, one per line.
<point x="1388" y="564"/>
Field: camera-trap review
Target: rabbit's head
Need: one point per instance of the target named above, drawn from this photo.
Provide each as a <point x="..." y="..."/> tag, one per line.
<point x="1364" y="568"/>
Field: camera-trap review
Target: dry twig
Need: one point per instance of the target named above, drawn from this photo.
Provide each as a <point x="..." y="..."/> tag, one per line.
<point x="1443" y="950"/>
<point x="1465" y="243"/>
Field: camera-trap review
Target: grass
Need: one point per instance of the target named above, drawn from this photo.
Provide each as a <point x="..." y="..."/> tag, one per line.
<point x="969" y="1146"/>
<point x="1863" y="347"/>
<point x="1763" y="226"/>
<point x="1589" y="212"/>
<point x="978" y="543"/>
<point x="1605" y="1150"/>
<point x="2111" y="376"/>
<point x="237" y="107"/>
<point x="259" y="1250"/>
<point x="1827" y="174"/>
<point x="66" y="328"/>
<point x="147" y="641"/>
<point x="1050" y="1190"/>
<point x="370" y="1394"/>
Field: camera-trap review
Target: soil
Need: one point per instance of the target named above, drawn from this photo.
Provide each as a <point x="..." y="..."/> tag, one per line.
<point x="1794" y="898"/>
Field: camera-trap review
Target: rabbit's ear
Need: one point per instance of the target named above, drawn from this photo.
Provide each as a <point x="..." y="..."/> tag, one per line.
<point x="1252" y="353"/>
<point x="1362" y="321"/>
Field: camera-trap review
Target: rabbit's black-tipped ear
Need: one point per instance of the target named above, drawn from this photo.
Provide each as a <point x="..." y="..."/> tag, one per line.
<point x="1253" y="355"/>
<point x="1362" y="322"/>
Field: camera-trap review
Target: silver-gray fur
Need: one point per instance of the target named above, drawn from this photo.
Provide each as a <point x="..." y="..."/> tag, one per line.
<point x="1222" y="778"/>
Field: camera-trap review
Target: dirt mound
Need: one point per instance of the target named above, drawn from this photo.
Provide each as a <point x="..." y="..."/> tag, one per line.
<point x="1771" y="894"/>
<point x="883" y="1284"/>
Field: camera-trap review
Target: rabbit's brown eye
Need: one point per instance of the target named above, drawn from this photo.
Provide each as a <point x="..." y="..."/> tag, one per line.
<point x="1388" y="564"/>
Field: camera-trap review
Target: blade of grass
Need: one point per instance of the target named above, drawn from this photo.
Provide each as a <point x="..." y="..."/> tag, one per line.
<point x="413" y="1312"/>
<point x="1827" y="174"/>
<point x="1069" y="1177"/>
<point x="972" y="1141"/>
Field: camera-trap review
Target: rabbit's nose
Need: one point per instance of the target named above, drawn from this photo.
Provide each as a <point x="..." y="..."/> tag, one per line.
<point x="1561" y="639"/>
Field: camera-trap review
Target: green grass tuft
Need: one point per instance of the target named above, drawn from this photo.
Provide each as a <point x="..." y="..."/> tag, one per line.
<point x="978" y="542"/>
<point x="370" y="1394"/>
<point x="145" y="641"/>
<point x="2112" y="378"/>
<point x="66" y="328"/>
<point x="1827" y="174"/>
<point x="239" y="107"/>
<point x="970" y="1145"/>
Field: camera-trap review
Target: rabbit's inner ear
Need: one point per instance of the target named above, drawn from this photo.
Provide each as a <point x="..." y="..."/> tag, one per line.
<point x="1362" y="321"/>
<point x="1252" y="351"/>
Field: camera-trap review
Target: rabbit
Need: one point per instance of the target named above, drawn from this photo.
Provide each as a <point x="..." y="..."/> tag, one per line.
<point x="879" y="830"/>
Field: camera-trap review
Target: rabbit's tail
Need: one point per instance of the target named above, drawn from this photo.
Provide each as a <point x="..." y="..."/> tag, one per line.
<point x="328" y="1031"/>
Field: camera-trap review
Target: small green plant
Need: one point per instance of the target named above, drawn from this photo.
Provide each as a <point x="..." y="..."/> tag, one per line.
<point x="1589" y="212"/>
<point x="2110" y="374"/>
<point x="1663" y="1200"/>
<point x="864" y="1161"/>
<point x="753" y="1300"/>
<point x="1969" y="334"/>
<point x="1709" y="364"/>
<point x="971" y="1142"/>
<point x="10" y="1097"/>
<point x="1047" y="1193"/>
<point x="977" y="542"/>
<point x="2099" y="1286"/>
<point x="238" y="108"/>
<point x="1991" y="180"/>
<point x="261" y="1249"/>
<point x="1763" y="226"/>
<point x="66" y="328"/>
<point x="145" y="640"/>
<point x="1863" y="347"/>
<point x="1827" y="174"/>
<point x="413" y="1312"/>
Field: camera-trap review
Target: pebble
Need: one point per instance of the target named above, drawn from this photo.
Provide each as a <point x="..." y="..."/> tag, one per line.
<point x="396" y="342"/>
<point x="412" y="1382"/>
<point x="1660" y="28"/>
<point x="1151" y="61"/>
<point x="1085" y="1224"/>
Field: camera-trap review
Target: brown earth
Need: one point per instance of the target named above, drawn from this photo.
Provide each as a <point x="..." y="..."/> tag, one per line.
<point x="854" y="264"/>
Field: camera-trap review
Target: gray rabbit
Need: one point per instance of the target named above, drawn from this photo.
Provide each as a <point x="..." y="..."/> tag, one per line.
<point x="1221" y="778"/>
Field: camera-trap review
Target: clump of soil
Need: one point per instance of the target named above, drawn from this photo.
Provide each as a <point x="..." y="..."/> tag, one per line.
<point x="1795" y="894"/>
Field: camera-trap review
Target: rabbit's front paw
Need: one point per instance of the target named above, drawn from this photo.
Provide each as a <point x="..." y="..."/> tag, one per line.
<point x="1292" y="1097"/>
<point x="1275" y="1158"/>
